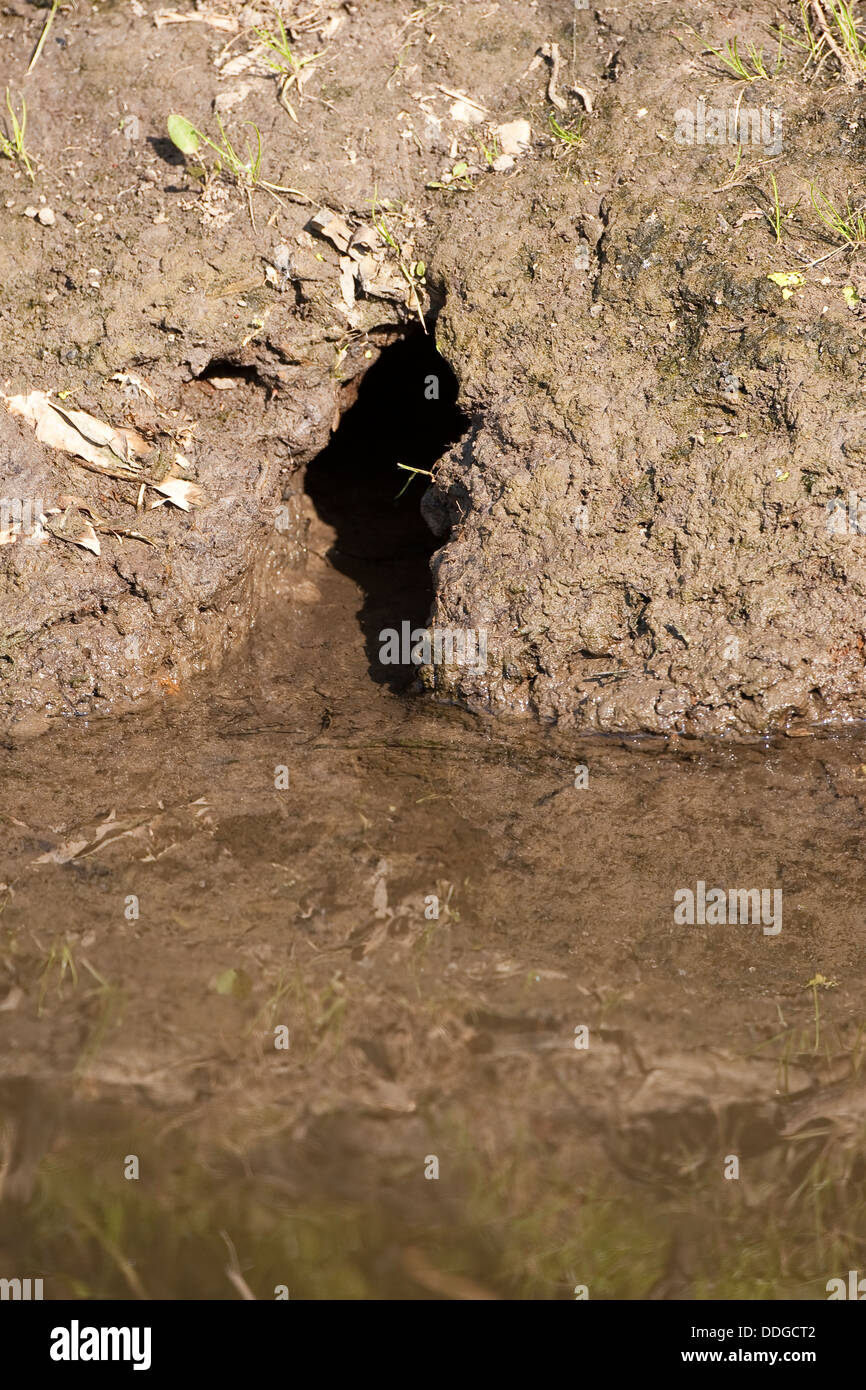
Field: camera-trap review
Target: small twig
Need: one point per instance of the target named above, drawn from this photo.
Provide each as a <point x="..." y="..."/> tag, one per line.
<point x="459" y="96"/>
<point x="551" y="52"/>
<point x="818" y="12"/>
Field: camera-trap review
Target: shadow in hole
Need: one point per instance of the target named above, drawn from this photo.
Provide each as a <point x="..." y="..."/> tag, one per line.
<point x="382" y="541"/>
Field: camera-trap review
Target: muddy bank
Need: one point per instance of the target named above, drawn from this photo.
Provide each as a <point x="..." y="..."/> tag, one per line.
<point x="655" y="522"/>
<point x="650" y="515"/>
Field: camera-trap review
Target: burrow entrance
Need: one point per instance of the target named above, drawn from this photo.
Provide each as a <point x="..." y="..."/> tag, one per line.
<point x="404" y="412"/>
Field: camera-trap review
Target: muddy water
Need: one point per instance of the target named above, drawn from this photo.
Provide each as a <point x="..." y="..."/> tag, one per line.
<point x="309" y="985"/>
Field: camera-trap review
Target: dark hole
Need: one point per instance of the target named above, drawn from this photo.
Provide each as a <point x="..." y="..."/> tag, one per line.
<point x="223" y="366"/>
<point x="382" y="541"/>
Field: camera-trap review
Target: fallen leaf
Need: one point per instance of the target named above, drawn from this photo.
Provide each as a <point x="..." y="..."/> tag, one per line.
<point x="334" y="229"/>
<point x="73" y="527"/>
<point x="787" y="279"/>
<point x="179" y="493"/>
<point x="135" y="384"/>
<point x="347" y="281"/>
<point x="75" y="432"/>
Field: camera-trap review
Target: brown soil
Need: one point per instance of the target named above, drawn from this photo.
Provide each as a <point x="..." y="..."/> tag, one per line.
<point x="237" y="823"/>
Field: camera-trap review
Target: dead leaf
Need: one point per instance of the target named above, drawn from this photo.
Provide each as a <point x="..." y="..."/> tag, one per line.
<point x="365" y="241"/>
<point x="252" y="62"/>
<point x="134" y="383"/>
<point x="334" y="229"/>
<point x="377" y="279"/>
<point x="146" y="825"/>
<point x="179" y="493"/>
<point x="69" y="499"/>
<point x="75" y="432"/>
<point x="347" y="281"/>
<point x="73" y="527"/>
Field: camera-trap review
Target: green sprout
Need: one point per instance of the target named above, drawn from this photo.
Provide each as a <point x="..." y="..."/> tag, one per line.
<point x="12" y="146"/>
<point x="413" y="473"/>
<point x="849" y="224"/>
<point x="748" y="68"/>
<point x="776" y="219"/>
<point x="563" y="134"/>
<point x="43" y="36"/>
<point x="246" y="172"/>
<point x="285" y="62"/>
<point x="814" y="47"/>
<point x="413" y="272"/>
<point x="839" y="36"/>
<point x="490" y="152"/>
<point x="852" y="45"/>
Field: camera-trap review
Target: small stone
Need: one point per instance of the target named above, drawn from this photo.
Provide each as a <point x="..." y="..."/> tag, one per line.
<point x="46" y="217"/>
<point x="502" y="163"/>
<point x="282" y="259"/>
<point x="30" y="211"/>
<point x="514" y="136"/>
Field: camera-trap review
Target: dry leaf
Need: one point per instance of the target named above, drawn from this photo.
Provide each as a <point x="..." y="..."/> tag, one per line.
<point x="135" y="383"/>
<point x="80" y="434"/>
<point x="334" y="229"/>
<point x="251" y="62"/>
<point x="73" y="527"/>
<point x="179" y="493"/>
<point x="69" y="499"/>
<point x="347" y="281"/>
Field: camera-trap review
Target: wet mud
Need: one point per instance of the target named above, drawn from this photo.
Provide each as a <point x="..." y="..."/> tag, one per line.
<point x="326" y="975"/>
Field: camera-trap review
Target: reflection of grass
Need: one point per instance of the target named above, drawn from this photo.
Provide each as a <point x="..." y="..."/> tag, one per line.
<point x="314" y="1016"/>
<point x="61" y="960"/>
<point x="103" y="1001"/>
<point x="521" y="1224"/>
<point x="806" y="1045"/>
<point x="107" y="1003"/>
